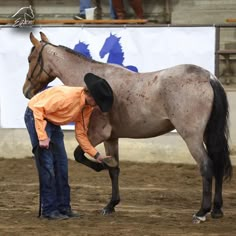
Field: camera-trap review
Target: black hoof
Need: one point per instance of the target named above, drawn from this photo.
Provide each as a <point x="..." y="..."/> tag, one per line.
<point x="107" y="211"/>
<point x="217" y="213"/>
<point x="202" y="212"/>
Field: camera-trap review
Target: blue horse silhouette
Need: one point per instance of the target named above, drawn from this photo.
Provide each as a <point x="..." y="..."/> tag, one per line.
<point x="116" y="55"/>
<point x="82" y="48"/>
<point x="112" y="46"/>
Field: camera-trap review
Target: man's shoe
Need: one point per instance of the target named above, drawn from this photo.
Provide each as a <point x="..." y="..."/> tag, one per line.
<point x="55" y="215"/>
<point x="70" y="213"/>
<point x="79" y="17"/>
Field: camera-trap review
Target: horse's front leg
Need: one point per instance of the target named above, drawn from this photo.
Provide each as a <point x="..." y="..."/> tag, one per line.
<point x="99" y="130"/>
<point x="81" y="158"/>
<point x="112" y="147"/>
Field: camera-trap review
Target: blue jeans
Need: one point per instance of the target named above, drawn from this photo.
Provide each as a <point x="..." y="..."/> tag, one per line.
<point x="52" y="166"/>
<point x="112" y="11"/>
<point x="83" y="5"/>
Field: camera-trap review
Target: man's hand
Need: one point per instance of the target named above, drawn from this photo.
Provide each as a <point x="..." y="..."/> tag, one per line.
<point x="100" y="158"/>
<point x="44" y="143"/>
<point x="108" y="160"/>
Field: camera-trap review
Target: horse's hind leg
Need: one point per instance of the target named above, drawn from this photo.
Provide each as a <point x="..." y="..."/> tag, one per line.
<point x="218" y="199"/>
<point x="199" y="153"/>
<point x="111" y="147"/>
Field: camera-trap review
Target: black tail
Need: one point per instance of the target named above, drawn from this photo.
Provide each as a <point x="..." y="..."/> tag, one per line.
<point x="217" y="133"/>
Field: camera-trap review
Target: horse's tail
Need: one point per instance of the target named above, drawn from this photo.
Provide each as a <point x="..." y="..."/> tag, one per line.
<point x="217" y="133"/>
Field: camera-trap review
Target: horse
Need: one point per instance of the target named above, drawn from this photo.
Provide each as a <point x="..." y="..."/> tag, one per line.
<point x="185" y="97"/>
<point x="116" y="55"/>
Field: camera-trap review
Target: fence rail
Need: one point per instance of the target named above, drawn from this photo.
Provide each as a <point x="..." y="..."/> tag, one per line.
<point x="71" y="21"/>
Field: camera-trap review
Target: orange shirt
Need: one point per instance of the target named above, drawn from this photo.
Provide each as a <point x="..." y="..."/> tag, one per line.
<point x="61" y="105"/>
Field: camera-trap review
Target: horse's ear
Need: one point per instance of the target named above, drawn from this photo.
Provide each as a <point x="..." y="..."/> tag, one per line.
<point x="34" y="41"/>
<point x="44" y="37"/>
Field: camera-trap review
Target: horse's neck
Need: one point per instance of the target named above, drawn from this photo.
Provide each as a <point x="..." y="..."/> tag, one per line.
<point x="71" y="68"/>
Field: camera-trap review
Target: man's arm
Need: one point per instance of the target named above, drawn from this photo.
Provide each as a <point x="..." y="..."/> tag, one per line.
<point x="82" y="138"/>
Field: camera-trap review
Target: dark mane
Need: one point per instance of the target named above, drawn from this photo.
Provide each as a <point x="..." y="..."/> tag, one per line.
<point x="77" y="54"/>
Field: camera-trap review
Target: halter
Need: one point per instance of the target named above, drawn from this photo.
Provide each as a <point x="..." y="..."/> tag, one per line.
<point x="41" y="63"/>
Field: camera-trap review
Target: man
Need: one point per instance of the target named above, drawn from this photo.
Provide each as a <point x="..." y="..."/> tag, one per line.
<point x="45" y="113"/>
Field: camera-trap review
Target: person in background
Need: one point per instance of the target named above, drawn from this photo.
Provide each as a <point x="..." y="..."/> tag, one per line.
<point x="83" y="4"/>
<point x="120" y="12"/>
<point x="97" y="3"/>
<point x="45" y="113"/>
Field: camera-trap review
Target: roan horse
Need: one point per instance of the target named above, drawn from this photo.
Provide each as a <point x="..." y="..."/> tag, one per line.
<point x="186" y="97"/>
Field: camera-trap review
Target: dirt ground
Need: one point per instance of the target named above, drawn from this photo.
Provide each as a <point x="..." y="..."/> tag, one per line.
<point x="156" y="199"/>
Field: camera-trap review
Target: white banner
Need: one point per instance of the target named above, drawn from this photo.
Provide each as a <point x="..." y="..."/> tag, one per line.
<point x="142" y="49"/>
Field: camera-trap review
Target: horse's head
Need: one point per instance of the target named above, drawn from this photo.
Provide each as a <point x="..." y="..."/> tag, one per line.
<point x="109" y="44"/>
<point x="39" y="73"/>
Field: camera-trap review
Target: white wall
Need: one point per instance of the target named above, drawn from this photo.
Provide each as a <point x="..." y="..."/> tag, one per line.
<point x="147" y="48"/>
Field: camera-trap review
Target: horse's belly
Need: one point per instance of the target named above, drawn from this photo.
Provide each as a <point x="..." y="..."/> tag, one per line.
<point x="144" y="129"/>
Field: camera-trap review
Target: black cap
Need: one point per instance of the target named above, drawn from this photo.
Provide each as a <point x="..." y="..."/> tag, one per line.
<point x="100" y="90"/>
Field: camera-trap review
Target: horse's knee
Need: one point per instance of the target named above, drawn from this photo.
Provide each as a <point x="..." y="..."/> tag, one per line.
<point x="78" y="154"/>
<point x="206" y="169"/>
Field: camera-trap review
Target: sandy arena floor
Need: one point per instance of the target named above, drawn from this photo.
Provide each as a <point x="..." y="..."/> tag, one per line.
<point x="156" y="199"/>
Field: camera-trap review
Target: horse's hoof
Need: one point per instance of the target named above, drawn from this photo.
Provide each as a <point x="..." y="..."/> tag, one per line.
<point x="217" y="213"/>
<point x="198" y="219"/>
<point x="107" y="211"/>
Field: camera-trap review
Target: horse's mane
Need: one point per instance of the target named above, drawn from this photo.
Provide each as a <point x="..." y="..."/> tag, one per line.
<point x="78" y="54"/>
